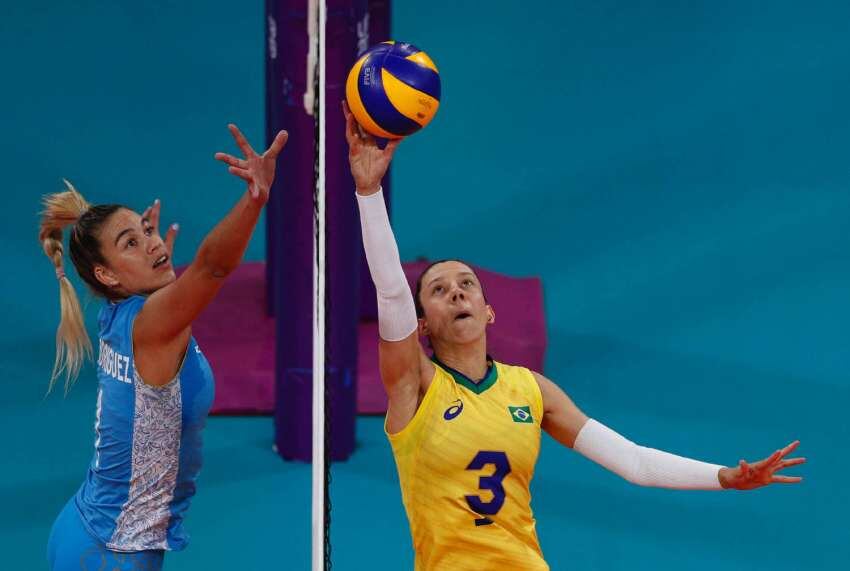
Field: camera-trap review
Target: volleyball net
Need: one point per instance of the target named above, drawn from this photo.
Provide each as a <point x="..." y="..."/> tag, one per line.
<point x="314" y="281"/>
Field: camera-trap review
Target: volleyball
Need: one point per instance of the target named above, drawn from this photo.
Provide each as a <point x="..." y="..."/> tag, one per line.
<point x="393" y="90"/>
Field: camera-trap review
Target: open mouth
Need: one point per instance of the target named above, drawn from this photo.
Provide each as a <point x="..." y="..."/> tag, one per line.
<point x="463" y="315"/>
<point x="162" y="260"/>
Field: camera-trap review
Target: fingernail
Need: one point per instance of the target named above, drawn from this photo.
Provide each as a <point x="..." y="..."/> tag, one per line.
<point x="156" y="201"/>
<point x="175" y="227"/>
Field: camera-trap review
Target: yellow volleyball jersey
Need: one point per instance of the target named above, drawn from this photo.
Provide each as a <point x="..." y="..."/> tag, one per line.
<point x="465" y="463"/>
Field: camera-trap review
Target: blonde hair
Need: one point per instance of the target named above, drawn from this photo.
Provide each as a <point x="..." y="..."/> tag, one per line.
<point x="72" y="341"/>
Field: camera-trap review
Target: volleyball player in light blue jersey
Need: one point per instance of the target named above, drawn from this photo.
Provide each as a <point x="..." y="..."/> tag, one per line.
<point x="155" y="387"/>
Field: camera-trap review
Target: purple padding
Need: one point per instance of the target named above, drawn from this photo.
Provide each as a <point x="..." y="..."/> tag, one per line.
<point x="238" y="338"/>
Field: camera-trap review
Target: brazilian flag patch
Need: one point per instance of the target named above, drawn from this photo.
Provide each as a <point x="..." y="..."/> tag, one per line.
<point x="521" y="414"/>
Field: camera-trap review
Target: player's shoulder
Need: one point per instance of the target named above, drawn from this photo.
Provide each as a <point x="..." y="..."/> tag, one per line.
<point x="509" y="369"/>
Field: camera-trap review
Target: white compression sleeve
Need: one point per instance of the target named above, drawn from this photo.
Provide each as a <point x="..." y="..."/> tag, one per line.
<point x="641" y="465"/>
<point x="396" y="312"/>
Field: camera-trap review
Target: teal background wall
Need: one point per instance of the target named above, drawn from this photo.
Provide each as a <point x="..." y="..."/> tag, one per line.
<point x="676" y="173"/>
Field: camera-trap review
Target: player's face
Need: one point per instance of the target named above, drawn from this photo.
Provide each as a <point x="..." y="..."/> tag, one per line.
<point x="137" y="261"/>
<point x="454" y="305"/>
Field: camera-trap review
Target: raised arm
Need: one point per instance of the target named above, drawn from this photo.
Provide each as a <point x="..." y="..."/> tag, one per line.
<point x="169" y="312"/>
<point x="644" y="466"/>
<point x="404" y="367"/>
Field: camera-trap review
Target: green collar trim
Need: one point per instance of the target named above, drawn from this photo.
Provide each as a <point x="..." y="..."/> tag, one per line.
<point x="477" y="387"/>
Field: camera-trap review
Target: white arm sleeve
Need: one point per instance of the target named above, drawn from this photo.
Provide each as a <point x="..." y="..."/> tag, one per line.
<point x="644" y="466"/>
<point x="396" y="312"/>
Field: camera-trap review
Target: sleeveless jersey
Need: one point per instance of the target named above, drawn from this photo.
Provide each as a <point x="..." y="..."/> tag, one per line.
<point x="147" y="442"/>
<point x="465" y="463"/>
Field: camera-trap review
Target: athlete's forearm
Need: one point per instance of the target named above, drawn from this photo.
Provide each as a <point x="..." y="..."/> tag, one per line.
<point x="222" y="250"/>
<point x="644" y="466"/>
<point x="396" y="311"/>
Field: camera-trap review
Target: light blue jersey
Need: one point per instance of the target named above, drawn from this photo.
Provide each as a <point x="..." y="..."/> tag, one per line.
<point x="147" y="442"/>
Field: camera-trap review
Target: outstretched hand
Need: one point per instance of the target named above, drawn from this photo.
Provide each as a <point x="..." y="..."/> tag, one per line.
<point x="748" y="476"/>
<point x="256" y="170"/>
<point x="369" y="163"/>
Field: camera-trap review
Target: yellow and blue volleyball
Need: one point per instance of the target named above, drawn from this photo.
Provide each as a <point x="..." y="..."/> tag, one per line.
<point x="393" y="90"/>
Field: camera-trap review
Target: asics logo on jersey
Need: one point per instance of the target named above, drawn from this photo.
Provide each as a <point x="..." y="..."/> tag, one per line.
<point x="454" y="410"/>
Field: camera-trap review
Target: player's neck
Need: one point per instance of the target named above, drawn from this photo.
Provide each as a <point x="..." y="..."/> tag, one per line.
<point x="471" y="360"/>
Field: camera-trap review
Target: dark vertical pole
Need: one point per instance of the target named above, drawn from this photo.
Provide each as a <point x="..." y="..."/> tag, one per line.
<point x="291" y="234"/>
<point x="375" y="29"/>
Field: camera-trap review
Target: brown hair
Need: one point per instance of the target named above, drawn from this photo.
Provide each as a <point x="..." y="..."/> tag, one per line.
<point x="60" y="210"/>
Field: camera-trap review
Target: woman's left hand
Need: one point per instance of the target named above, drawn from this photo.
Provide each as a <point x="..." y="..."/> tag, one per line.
<point x="256" y="170"/>
<point x="748" y="476"/>
<point x="151" y="216"/>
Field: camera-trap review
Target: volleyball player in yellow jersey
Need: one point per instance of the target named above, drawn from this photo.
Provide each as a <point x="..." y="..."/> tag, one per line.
<point x="464" y="429"/>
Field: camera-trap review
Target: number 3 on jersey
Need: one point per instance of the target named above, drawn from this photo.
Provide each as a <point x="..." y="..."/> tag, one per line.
<point x="493" y="483"/>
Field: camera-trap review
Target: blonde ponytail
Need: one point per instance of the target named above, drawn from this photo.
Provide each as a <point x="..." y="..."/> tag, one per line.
<point x="72" y="341"/>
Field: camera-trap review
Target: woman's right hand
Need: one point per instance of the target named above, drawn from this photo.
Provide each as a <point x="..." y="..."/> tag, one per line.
<point x="368" y="163"/>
